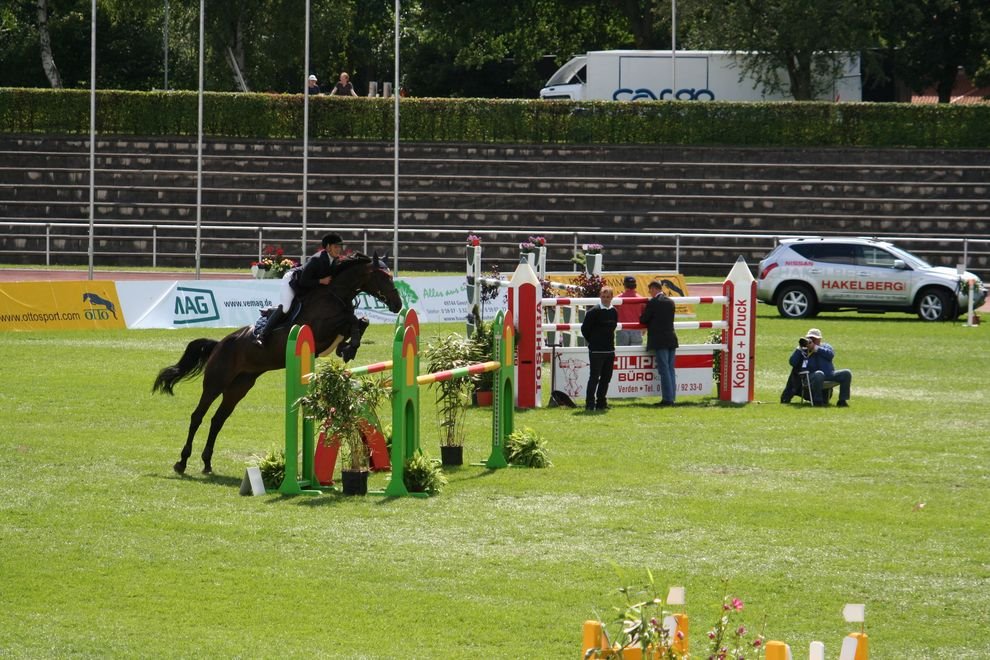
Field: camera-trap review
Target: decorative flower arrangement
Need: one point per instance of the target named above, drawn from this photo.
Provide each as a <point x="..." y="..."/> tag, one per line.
<point x="592" y="248"/>
<point x="491" y="292"/>
<point x="527" y="248"/>
<point x="590" y="284"/>
<point x="274" y="264"/>
<point x="473" y="241"/>
<point x="538" y="241"/>
<point x="640" y="623"/>
<point x="728" y="636"/>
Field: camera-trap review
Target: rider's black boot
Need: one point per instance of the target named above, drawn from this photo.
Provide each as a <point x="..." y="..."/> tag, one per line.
<point x="273" y="320"/>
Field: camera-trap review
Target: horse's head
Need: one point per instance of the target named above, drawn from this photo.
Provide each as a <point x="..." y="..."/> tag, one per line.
<point x="381" y="286"/>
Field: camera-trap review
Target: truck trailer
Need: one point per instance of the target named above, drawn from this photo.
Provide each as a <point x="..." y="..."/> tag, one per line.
<point x="689" y="75"/>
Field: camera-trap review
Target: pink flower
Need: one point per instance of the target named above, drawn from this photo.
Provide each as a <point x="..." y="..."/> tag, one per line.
<point x="757" y="643"/>
<point x="737" y="604"/>
<point x="741" y="630"/>
<point x="680" y="634"/>
<point x="711" y="634"/>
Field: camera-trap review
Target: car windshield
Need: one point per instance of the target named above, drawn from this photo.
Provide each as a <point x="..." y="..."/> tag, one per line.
<point x="566" y="73"/>
<point x="910" y="259"/>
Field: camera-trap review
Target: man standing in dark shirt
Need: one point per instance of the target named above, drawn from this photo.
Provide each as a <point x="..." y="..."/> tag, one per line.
<point x="658" y="317"/>
<point x="598" y="330"/>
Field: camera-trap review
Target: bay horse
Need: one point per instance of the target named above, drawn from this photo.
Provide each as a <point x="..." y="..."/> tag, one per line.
<point x="231" y="365"/>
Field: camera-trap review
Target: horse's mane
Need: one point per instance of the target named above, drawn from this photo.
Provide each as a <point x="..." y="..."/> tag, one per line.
<point x="353" y="259"/>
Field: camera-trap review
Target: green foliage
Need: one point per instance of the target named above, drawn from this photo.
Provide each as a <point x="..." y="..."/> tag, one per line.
<point x="452" y="396"/>
<point x="423" y="475"/>
<point x="338" y="403"/>
<point x="527" y="448"/>
<point x="272" y="466"/>
<point x="482" y="343"/>
<point x="503" y="121"/>
<point x="715" y="337"/>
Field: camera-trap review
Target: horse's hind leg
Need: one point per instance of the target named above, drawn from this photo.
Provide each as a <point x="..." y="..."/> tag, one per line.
<point x="231" y="397"/>
<point x="205" y="401"/>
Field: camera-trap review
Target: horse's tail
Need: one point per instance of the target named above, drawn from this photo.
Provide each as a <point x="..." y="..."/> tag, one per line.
<point x="190" y="364"/>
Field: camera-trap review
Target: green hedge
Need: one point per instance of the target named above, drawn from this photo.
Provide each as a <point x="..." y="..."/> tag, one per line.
<point x="502" y="120"/>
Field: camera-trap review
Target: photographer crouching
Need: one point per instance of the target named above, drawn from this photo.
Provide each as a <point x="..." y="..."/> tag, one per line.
<point x="815" y="356"/>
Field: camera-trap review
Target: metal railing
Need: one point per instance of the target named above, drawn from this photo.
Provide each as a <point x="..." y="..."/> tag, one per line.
<point x="128" y="244"/>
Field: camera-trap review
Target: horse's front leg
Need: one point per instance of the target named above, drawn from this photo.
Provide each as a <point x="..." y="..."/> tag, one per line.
<point x="231" y="397"/>
<point x="349" y="347"/>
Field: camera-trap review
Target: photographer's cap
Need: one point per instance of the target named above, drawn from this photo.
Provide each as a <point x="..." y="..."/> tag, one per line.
<point x="814" y="333"/>
<point x="629" y="281"/>
<point x="312" y="78"/>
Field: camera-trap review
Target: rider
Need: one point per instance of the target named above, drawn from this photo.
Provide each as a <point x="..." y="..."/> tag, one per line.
<point x="318" y="271"/>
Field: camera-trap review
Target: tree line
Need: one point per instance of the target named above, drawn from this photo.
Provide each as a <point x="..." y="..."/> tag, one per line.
<point x="479" y="48"/>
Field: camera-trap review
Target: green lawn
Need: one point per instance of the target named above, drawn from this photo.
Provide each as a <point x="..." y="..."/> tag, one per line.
<point x="104" y="551"/>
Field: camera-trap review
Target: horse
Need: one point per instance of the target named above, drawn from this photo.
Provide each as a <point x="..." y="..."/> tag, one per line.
<point x="231" y="365"/>
<point x="94" y="300"/>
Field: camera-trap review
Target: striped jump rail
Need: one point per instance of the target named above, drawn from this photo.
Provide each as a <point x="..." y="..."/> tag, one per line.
<point x="678" y="325"/>
<point x="681" y="300"/>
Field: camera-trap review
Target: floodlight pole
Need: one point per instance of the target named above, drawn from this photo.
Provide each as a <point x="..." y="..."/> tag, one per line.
<point x="305" y="162"/>
<point x="395" y="95"/>
<point x="199" y="145"/>
<point x="92" y="134"/>
<point x="673" y="48"/>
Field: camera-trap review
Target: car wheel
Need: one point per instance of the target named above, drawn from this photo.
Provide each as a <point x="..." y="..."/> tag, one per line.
<point x="934" y="305"/>
<point x="796" y="301"/>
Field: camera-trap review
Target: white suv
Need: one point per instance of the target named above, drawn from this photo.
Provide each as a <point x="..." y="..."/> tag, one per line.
<point x="803" y="276"/>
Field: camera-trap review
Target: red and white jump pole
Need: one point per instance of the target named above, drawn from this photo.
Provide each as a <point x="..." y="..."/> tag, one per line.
<point x="738" y="327"/>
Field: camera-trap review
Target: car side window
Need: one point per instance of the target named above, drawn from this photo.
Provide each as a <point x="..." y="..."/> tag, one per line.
<point x="869" y="255"/>
<point x="835" y="253"/>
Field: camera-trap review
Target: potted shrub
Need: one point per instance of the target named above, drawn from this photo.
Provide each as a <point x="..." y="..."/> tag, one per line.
<point x="423" y="475"/>
<point x="338" y="402"/>
<point x="525" y="447"/>
<point x="480" y="350"/>
<point x="452" y="396"/>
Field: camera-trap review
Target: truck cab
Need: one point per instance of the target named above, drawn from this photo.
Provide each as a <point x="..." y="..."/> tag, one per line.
<point x="568" y="83"/>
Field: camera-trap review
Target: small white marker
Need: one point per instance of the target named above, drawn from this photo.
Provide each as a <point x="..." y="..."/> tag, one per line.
<point x="676" y="596"/>
<point x="854" y="613"/>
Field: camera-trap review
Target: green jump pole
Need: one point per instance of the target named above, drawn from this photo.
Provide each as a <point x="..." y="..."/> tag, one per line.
<point x="300" y="363"/>
<point x="503" y="410"/>
<point x="405" y="400"/>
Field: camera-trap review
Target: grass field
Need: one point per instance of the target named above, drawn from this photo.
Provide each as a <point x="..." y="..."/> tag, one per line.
<point x="104" y="551"/>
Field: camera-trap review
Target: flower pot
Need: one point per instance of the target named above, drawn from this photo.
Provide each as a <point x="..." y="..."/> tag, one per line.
<point x="451" y="455"/>
<point x="483" y="398"/>
<point x="354" y="482"/>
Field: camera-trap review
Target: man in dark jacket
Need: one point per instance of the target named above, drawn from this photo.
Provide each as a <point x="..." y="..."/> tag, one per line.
<point x="318" y="271"/>
<point x="598" y="330"/>
<point x="658" y="317"/>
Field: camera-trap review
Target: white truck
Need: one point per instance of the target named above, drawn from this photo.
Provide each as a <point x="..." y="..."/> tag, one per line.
<point x="688" y="75"/>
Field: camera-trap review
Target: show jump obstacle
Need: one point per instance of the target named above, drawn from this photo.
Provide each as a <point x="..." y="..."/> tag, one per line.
<point x="737" y="346"/>
<point x="300" y="365"/>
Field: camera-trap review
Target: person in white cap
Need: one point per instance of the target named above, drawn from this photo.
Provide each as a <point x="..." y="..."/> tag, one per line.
<point x="816" y="356"/>
<point x="313" y="86"/>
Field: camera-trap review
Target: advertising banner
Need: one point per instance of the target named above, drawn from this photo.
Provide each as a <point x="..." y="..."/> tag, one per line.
<point x="635" y="373"/>
<point x="235" y="303"/>
<point x="70" y="305"/>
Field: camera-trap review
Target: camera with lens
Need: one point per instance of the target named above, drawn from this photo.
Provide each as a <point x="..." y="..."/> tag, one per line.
<point x="803" y="342"/>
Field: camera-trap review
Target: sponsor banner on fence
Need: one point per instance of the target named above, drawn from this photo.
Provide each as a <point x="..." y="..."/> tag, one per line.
<point x="634" y="375"/>
<point x="234" y="303"/>
<point x="70" y="305"/>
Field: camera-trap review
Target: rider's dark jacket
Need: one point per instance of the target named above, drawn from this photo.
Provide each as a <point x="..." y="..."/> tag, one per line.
<point x="308" y="277"/>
